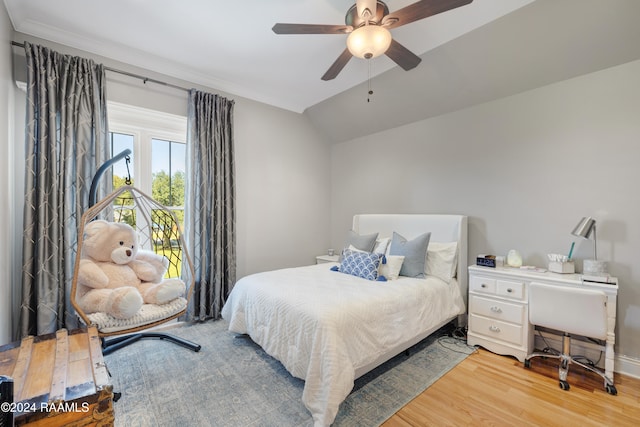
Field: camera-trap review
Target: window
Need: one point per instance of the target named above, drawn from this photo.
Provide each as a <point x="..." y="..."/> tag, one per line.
<point x="168" y="173"/>
<point x="158" y="161"/>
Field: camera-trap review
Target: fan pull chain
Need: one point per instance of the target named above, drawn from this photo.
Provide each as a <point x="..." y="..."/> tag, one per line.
<point x="370" y="91"/>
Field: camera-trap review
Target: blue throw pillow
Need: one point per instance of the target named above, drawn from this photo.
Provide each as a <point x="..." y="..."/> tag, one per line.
<point x="414" y="252"/>
<point x="361" y="264"/>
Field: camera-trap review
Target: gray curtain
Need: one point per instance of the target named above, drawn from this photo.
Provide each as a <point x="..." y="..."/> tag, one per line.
<point x="210" y="202"/>
<point x="66" y="142"/>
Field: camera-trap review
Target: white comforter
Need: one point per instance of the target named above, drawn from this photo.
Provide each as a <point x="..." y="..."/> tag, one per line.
<point x="324" y="325"/>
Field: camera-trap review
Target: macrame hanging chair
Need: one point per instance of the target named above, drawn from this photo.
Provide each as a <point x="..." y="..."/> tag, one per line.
<point x="158" y="230"/>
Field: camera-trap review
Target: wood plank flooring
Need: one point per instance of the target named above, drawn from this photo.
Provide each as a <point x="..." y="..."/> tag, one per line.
<point x="491" y="390"/>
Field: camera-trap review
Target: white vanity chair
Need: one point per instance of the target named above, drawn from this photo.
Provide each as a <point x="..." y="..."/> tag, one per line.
<point x="573" y="311"/>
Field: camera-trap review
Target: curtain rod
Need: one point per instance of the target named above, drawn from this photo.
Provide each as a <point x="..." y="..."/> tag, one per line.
<point x="126" y="73"/>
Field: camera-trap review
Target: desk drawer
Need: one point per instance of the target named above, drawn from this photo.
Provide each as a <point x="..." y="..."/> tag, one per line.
<point x="482" y="284"/>
<point x="510" y="289"/>
<point x="495" y="329"/>
<point x="514" y="313"/>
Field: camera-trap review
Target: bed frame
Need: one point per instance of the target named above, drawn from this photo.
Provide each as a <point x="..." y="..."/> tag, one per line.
<point x="443" y="228"/>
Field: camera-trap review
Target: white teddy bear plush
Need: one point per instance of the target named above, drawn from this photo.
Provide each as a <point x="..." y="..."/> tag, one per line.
<point x="116" y="277"/>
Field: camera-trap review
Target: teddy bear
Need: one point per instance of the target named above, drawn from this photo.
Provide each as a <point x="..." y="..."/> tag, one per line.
<point x="116" y="277"/>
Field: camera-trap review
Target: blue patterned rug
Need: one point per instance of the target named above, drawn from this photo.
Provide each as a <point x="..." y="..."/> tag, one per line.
<point x="232" y="382"/>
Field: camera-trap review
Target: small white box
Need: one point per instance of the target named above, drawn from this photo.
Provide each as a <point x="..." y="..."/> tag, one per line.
<point x="567" y="267"/>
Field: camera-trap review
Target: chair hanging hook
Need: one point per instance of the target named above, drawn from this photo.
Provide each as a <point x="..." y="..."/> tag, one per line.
<point x="93" y="191"/>
<point x="127" y="160"/>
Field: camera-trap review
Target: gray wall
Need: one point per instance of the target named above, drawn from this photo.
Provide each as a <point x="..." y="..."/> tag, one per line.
<point x="524" y="169"/>
<point x="6" y="172"/>
<point x="283" y="189"/>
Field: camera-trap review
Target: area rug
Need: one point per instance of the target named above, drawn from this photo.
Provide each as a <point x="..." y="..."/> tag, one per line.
<point x="232" y="382"/>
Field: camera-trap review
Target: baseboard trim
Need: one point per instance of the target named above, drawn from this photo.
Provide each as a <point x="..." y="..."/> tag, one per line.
<point x="628" y="366"/>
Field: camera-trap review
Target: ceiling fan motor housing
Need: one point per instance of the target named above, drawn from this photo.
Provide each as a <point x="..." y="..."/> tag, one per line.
<point x="353" y="19"/>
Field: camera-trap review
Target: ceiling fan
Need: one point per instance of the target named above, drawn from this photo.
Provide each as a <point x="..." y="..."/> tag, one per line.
<point x="368" y="22"/>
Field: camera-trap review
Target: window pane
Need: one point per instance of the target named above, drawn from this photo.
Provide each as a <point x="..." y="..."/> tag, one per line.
<point x="178" y="172"/>
<point x="168" y="185"/>
<point x="168" y="170"/>
<point x="161" y="171"/>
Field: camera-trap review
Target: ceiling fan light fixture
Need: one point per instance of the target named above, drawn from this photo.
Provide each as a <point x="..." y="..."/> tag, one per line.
<point x="369" y="41"/>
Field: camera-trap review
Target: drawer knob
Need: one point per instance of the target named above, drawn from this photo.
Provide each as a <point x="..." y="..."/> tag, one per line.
<point x="496" y="309"/>
<point x="494" y="329"/>
<point x="509" y="290"/>
<point x="483" y="286"/>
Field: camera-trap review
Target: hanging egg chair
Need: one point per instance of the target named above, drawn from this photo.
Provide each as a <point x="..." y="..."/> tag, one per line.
<point x="158" y="232"/>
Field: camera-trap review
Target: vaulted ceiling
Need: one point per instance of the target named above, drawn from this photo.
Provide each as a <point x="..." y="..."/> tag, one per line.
<point x="479" y="52"/>
<point x="229" y="45"/>
<point x="544" y="42"/>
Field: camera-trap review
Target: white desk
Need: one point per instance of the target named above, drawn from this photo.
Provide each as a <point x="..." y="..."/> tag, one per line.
<point x="499" y="312"/>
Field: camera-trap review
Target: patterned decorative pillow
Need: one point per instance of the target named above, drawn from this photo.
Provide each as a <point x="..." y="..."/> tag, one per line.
<point x="361" y="264"/>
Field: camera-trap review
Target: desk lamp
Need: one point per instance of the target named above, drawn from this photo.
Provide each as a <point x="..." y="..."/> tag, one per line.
<point x="584" y="229"/>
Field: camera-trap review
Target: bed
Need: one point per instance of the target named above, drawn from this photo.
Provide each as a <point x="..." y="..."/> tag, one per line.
<point x="329" y="328"/>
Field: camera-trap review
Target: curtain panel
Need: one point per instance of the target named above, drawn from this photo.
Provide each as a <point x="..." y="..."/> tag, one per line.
<point x="210" y="214"/>
<point x="66" y="142"/>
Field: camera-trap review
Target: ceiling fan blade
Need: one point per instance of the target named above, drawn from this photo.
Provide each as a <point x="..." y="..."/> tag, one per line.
<point x="337" y="66"/>
<point x="420" y="10"/>
<point x="311" y="29"/>
<point x="402" y="56"/>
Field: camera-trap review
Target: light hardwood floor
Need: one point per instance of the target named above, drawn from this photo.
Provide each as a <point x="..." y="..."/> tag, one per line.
<point x="491" y="390"/>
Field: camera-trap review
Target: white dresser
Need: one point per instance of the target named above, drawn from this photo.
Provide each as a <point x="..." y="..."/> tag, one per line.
<point x="499" y="315"/>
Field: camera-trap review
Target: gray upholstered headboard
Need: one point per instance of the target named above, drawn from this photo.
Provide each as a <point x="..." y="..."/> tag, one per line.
<point x="443" y="228"/>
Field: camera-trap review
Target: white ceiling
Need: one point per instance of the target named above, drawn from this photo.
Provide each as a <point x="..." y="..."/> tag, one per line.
<point x="545" y="42"/>
<point x="229" y="45"/>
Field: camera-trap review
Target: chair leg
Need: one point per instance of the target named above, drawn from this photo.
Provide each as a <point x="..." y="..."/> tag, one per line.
<point x="563" y="367"/>
<point x="608" y="383"/>
<point x="113" y="344"/>
<point x="527" y="360"/>
<point x="563" y="370"/>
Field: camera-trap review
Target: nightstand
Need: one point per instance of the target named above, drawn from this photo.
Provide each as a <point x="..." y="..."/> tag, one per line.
<point x="321" y="259"/>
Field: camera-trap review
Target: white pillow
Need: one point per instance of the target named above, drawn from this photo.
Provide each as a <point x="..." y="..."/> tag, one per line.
<point x="442" y="260"/>
<point x="391" y="269"/>
<point x="381" y="245"/>
<point x="354" y="249"/>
